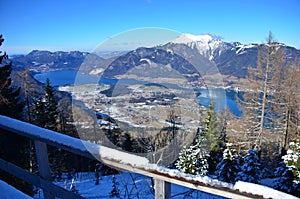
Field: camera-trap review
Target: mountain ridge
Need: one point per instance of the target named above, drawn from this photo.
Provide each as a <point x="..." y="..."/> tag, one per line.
<point x="231" y="58"/>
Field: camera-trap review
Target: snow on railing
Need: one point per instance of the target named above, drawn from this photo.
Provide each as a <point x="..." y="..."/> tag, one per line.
<point x="163" y="177"/>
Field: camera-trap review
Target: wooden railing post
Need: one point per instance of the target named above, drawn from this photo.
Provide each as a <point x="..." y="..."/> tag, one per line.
<point x="44" y="168"/>
<point x="162" y="189"/>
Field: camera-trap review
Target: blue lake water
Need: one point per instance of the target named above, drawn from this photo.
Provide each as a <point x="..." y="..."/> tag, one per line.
<point x="222" y="98"/>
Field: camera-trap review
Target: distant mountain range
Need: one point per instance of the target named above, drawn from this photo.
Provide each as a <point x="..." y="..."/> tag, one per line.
<point x="43" y="61"/>
<point x="187" y="54"/>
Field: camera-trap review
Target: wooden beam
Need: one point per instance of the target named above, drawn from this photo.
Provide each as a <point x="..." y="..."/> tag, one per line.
<point x="44" y="168"/>
<point x="37" y="180"/>
<point x="162" y="189"/>
<point x="58" y="140"/>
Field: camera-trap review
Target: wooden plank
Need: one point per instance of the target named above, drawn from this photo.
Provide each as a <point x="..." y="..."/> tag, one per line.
<point x="20" y="173"/>
<point x="42" y="159"/>
<point x="162" y="189"/>
<point x="44" y="168"/>
<point x="37" y="181"/>
<point x="58" y="140"/>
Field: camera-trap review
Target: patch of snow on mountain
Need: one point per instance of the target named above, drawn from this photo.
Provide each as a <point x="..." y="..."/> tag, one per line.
<point x="242" y="48"/>
<point x="205" y="44"/>
<point x="146" y="60"/>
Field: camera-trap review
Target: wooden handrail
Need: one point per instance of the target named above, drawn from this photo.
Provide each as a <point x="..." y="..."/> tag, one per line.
<point x="93" y="151"/>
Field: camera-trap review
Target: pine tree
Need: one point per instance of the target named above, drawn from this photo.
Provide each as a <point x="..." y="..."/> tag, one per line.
<point x="187" y="161"/>
<point x="39" y="116"/>
<point x="45" y="109"/>
<point x="51" y="107"/>
<point x="65" y="115"/>
<point x="285" y="179"/>
<point x="212" y="128"/>
<point x="193" y="159"/>
<point x="203" y="156"/>
<point x="292" y="160"/>
<point x="126" y="142"/>
<point x="214" y="133"/>
<point x="10" y="102"/>
<point x="288" y="172"/>
<point x="228" y="168"/>
<point x="250" y="170"/>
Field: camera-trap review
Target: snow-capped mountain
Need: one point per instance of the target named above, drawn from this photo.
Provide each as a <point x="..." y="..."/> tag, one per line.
<point x="231" y="58"/>
<point x="205" y="44"/>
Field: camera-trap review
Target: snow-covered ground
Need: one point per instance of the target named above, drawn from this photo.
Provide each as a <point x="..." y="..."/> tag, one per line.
<point x="133" y="186"/>
<point x="129" y="185"/>
<point x="9" y="192"/>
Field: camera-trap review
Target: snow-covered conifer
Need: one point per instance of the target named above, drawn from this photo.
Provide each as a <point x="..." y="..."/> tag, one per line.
<point x="250" y="170"/>
<point x="193" y="159"/>
<point x="288" y="172"/>
<point x="228" y="168"/>
<point x="292" y="160"/>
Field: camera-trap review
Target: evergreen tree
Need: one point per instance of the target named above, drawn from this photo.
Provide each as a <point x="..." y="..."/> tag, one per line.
<point x="193" y="159"/>
<point x="214" y="134"/>
<point x="10" y="102"/>
<point x="228" y="168"/>
<point x="292" y="160"/>
<point x="250" y="170"/>
<point x="285" y="179"/>
<point x="45" y="109"/>
<point x="126" y="142"/>
<point x="288" y="172"/>
<point x="39" y="116"/>
<point x="65" y="115"/>
<point x="187" y="162"/>
<point x="51" y="107"/>
<point x="212" y="128"/>
<point x="206" y="152"/>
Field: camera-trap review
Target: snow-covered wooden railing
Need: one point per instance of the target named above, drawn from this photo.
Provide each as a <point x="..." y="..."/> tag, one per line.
<point x="163" y="177"/>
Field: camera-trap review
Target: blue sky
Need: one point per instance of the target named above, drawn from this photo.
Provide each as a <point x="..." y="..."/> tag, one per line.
<point x="82" y="25"/>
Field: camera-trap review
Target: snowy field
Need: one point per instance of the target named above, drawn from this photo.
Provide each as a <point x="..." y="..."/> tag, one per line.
<point x="129" y="185"/>
<point x="135" y="186"/>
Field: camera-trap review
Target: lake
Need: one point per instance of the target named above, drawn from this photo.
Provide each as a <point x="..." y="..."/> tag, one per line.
<point x="223" y="98"/>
